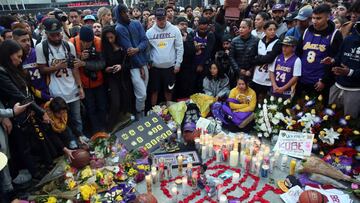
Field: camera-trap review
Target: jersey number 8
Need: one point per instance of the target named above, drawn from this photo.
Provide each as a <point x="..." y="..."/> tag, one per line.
<point x="311" y="56"/>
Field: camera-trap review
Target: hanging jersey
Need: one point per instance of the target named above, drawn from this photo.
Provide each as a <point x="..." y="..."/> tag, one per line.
<point x="200" y="54"/>
<point x="261" y="73"/>
<point x="315" y="48"/>
<point x="38" y="83"/>
<point x="62" y="82"/>
<point x="283" y="72"/>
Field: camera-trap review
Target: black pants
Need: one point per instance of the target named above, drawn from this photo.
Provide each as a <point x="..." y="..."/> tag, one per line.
<point x="309" y="89"/>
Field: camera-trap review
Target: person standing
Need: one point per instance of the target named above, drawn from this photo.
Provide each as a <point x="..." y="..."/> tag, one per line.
<point x="132" y="38"/>
<point x="278" y="13"/>
<point x="319" y="41"/>
<point x="303" y="21"/>
<point x="166" y="54"/>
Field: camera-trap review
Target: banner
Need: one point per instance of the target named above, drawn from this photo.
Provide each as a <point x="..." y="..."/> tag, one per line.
<point x="295" y="144"/>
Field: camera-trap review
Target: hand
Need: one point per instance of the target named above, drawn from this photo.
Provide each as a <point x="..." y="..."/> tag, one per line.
<point x="81" y="93"/>
<point x="116" y="68"/>
<point x="60" y="65"/>
<point x="327" y="61"/>
<point x="7" y="125"/>
<point x="199" y="68"/>
<point x="176" y="69"/>
<point x="343" y="71"/>
<point x="275" y="88"/>
<point x="280" y="90"/>
<point x="18" y="109"/>
<point x="248" y="73"/>
<point x="132" y="51"/>
<point x="109" y="69"/>
<point x="79" y="63"/>
<point x="319" y="86"/>
<point x="142" y="73"/>
<point x="46" y="118"/>
<point x="84" y="55"/>
<point x="68" y="153"/>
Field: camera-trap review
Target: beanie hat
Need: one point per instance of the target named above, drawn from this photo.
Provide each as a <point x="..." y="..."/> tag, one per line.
<point x="86" y="33"/>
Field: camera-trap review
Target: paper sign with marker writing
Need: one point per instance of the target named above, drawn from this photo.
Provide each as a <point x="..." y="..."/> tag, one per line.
<point x="295" y="144"/>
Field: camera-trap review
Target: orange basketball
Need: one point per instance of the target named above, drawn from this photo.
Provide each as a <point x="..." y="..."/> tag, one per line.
<point x="99" y="135"/>
<point x="81" y="159"/>
<point x="145" y="198"/>
<point x="312" y="196"/>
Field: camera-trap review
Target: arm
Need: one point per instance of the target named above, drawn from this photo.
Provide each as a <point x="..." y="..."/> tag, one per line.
<point x="95" y="65"/>
<point x="232" y="56"/>
<point x="143" y="39"/>
<point x="334" y="48"/>
<point x="250" y="107"/>
<point x="42" y="63"/>
<point x="272" y="78"/>
<point x="179" y="48"/>
<point x="270" y="56"/>
<point x="6" y="113"/>
<point x="206" y="87"/>
<point x="124" y="41"/>
<point x="224" y="87"/>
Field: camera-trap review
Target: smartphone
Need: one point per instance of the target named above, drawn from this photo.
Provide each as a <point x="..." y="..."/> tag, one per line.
<point x="27" y="100"/>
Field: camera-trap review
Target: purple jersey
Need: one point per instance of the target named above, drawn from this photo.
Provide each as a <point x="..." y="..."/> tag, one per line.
<point x="283" y="73"/>
<point x="199" y="56"/>
<point x="38" y="82"/>
<point x="315" y="48"/>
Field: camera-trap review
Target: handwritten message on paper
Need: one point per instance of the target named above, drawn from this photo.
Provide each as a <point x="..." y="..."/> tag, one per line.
<point x="296" y="144"/>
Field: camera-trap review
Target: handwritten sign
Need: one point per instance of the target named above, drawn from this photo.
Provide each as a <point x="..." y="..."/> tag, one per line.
<point x="148" y="132"/>
<point x="296" y="144"/>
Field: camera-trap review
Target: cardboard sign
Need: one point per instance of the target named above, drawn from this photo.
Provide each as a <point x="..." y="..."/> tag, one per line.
<point x="148" y="132"/>
<point x="232" y="11"/>
<point x="295" y="144"/>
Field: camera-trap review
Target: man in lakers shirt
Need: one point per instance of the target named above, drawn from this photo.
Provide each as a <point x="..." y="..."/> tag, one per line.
<point x="166" y="52"/>
<point x="55" y="59"/>
<point x="319" y="41"/>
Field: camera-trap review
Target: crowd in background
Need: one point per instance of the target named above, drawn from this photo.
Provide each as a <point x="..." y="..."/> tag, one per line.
<point x="65" y="76"/>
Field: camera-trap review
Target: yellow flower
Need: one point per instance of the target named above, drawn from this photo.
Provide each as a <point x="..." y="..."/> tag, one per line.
<point x="313" y="112"/>
<point x="293" y="122"/>
<point x="302" y="124"/>
<point x="339" y="130"/>
<point x="67" y="167"/>
<point x="86" y="173"/>
<point x="356" y="132"/>
<point x="165" y="111"/>
<point x="307" y="98"/>
<point x="290" y="128"/>
<point x="99" y="174"/>
<point x="297" y="107"/>
<point x="141" y="167"/>
<point x="348" y="117"/>
<point x="320" y="97"/>
<point x="288" y="111"/>
<point x="314" y="141"/>
<point x="326" y="117"/>
<point x="333" y="106"/>
<point x="337" y="160"/>
<point x="119" y="198"/>
<point x="51" y="200"/>
<point x="87" y="191"/>
<point x="71" y="184"/>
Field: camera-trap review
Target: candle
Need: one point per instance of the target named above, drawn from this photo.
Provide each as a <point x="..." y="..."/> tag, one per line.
<point x="148" y="183"/>
<point x="197" y="144"/>
<point x="253" y="164"/>
<point x="153" y="169"/>
<point x="153" y="176"/>
<point x="257" y="168"/>
<point x="189" y="170"/>
<point x="211" y="150"/>
<point x="264" y="171"/>
<point x="194" y="180"/>
<point x="229" y="144"/>
<point x="283" y="162"/>
<point x="235" y="177"/>
<point x="234" y="158"/>
<point x="174" y="192"/>
<point x="242" y="158"/>
<point x="271" y="164"/>
<point x="223" y="199"/>
<point x="243" y="144"/>
<point x="292" y="167"/>
<point x="247" y="163"/>
<point x="236" y="144"/>
<point x="161" y="170"/>
<point x="218" y="155"/>
<point x="178" y="132"/>
<point x="169" y="169"/>
<point x="184" y="183"/>
<point x="180" y="164"/>
<point x="204" y="153"/>
<point x="225" y="154"/>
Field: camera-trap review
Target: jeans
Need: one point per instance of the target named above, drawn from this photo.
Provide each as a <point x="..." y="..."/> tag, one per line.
<point x="139" y="86"/>
<point x="95" y="103"/>
<point x="75" y="116"/>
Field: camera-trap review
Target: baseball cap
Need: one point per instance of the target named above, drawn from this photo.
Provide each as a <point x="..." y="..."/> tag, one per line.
<point x="86" y="33"/>
<point x="304" y="13"/>
<point x="291" y="16"/>
<point x="89" y="17"/>
<point x="278" y="7"/>
<point x="289" y="182"/>
<point x="3" y="160"/>
<point x="122" y="8"/>
<point x="181" y="19"/>
<point x="208" y="8"/>
<point x="203" y="21"/>
<point x="289" y="40"/>
<point x="190" y="126"/>
<point x="52" y="25"/>
<point x="226" y="38"/>
<point x="160" y="13"/>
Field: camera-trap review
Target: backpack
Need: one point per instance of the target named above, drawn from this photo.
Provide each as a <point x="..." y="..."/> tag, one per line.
<point x="45" y="47"/>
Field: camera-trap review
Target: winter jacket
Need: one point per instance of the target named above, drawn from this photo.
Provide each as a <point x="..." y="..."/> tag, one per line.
<point x="208" y="48"/>
<point x="243" y="51"/>
<point x="132" y="34"/>
<point x="216" y="87"/>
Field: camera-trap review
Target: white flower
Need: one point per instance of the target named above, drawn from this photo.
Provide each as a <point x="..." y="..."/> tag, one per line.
<point x="280" y="100"/>
<point x="279" y="115"/>
<point x="266" y="134"/>
<point x="273" y="107"/>
<point x="259" y="106"/>
<point x="272" y="98"/>
<point x="261" y="120"/>
<point x="330" y="137"/>
<point x="263" y="127"/>
<point x="275" y="121"/>
<point x="265" y="101"/>
<point x="259" y="134"/>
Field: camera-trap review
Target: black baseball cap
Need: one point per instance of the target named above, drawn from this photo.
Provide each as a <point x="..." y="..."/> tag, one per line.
<point x="203" y="21"/>
<point x="160" y="13"/>
<point x="52" y="25"/>
<point x="289" y="40"/>
<point x="208" y="8"/>
<point x="289" y="182"/>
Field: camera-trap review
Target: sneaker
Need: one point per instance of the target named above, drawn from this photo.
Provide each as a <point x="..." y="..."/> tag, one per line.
<point x="24" y="176"/>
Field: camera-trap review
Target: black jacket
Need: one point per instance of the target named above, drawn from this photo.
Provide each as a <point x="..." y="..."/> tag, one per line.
<point x="271" y="55"/>
<point x="189" y="52"/>
<point x="243" y="51"/>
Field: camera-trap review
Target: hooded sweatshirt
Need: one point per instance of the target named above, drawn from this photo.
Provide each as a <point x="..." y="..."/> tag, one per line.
<point x="132" y="34"/>
<point x="166" y="46"/>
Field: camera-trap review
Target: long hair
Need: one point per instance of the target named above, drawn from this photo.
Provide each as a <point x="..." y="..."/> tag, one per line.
<point x="107" y="47"/>
<point x="221" y="73"/>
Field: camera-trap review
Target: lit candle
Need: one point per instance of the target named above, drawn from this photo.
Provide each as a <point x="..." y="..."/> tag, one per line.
<point x="180" y="164"/>
<point x="272" y="164"/>
<point x="253" y="164"/>
<point x="257" y="168"/>
<point x="247" y="163"/>
<point x="153" y="176"/>
<point x="264" y="171"/>
<point x="223" y="199"/>
<point x="148" y="183"/>
<point x="153" y="169"/>
<point x="283" y="162"/>
<point x="174" y="192"/>
<point x="292" y="167"/>
<point x="194" y="180"/>
<point x="234" y="158"/>
<point x="242" y="158"/>
<point x="218" y="155"/>
<point x="197" y="144"/>
<point x="235" y="177"/>
<point x="203" y="153"/>
<point x="211" y="150"/>
<point x="236" y="144"/>
<point x="184" y="183"/>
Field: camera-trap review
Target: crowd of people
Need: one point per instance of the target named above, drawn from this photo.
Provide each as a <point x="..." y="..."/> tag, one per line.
<point x="65" y="76"/>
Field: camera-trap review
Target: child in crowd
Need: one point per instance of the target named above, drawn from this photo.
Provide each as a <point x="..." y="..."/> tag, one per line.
<point x="285" y="70"/>
<point x="216" y="83"/>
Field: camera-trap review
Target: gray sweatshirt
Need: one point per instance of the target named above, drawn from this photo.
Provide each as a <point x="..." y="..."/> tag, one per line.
<point x="166" y="46"/>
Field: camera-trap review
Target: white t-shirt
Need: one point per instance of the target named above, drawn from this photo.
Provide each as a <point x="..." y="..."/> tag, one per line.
<point x="297" y="67"/>
<point x="62" y="82"/>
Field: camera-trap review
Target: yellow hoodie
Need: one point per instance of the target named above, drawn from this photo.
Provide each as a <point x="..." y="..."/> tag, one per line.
<point x="247" y="100"/>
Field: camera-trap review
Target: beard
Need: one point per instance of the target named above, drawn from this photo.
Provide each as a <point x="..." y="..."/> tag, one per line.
<point x="55" y="42"/>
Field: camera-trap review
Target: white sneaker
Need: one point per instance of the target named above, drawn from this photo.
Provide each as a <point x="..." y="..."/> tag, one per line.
<point x="24" y="176"/>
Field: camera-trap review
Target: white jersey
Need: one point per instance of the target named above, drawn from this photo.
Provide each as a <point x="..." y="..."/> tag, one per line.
<point x="261" y="73"/>
<point x="62" y="82"/>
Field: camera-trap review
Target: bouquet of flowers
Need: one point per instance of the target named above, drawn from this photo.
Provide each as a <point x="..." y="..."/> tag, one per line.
<point x="269" y="118"/>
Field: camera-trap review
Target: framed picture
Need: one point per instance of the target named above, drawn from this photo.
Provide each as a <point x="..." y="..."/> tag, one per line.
<point x="189" y="157"/>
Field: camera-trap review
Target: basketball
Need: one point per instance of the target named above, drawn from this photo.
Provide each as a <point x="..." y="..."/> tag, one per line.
<point x="312" y="196"/>
<point x="81" y="158"/>
<point x="145" y="198"/>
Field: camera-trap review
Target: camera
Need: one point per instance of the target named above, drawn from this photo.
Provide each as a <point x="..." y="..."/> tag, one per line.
<point x="92" y="52"/>
<point x="70" y="61"/>
<point x="60" y="15"/>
